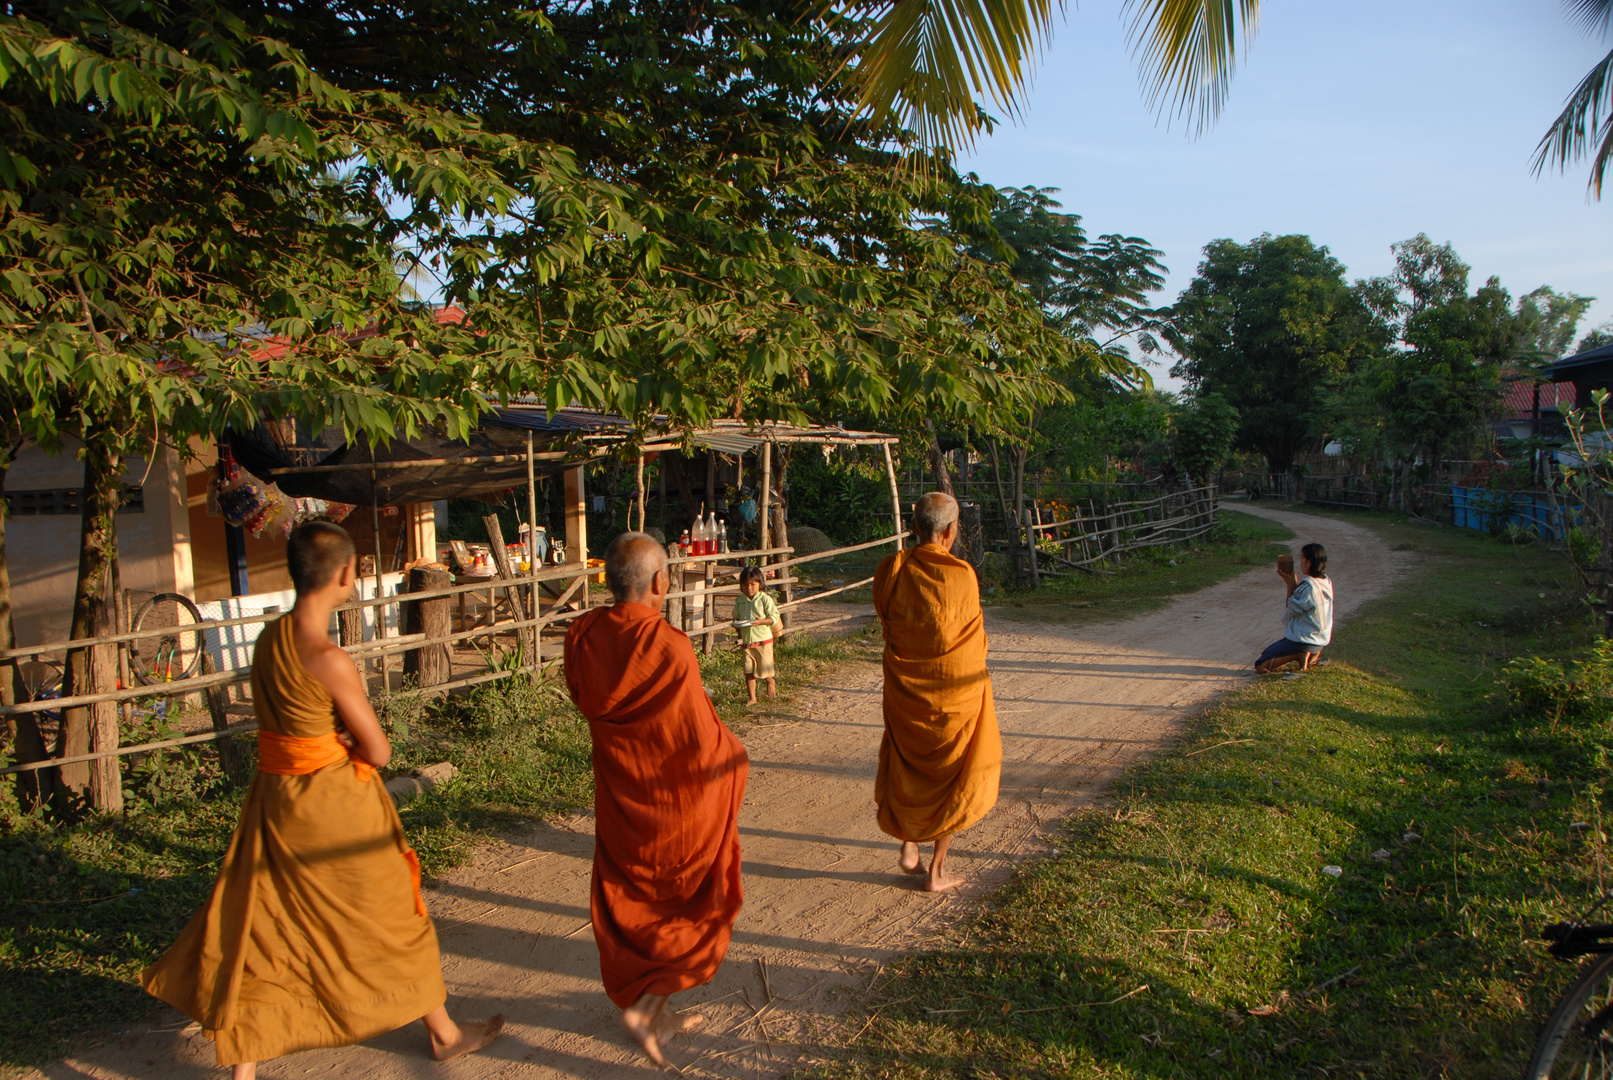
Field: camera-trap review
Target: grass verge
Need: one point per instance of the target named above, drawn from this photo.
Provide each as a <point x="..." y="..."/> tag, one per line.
<point x="85" y="906"/>
<point x="1186" y="927"/>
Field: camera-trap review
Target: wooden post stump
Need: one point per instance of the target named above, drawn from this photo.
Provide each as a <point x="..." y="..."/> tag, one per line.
<point x="431" y="664"/>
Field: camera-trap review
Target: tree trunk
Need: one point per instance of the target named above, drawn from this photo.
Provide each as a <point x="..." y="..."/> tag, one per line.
<point x="1002" y="494"/>
<point x="94" y="728"/>
<point x="938" y="461"/>
<point x="430" y="664"/>
<point x="22" y="732"/>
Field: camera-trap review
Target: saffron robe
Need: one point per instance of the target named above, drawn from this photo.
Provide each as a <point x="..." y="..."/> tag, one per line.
<point x="942" y="755"/>
<point x="314" y="935"/>
<point x="668" y="781"/>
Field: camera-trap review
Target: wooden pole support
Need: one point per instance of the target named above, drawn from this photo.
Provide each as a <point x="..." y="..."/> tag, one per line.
<point x="765" y="497"/>
<point x="896" y="497"/>
<point x="536" y="640"/>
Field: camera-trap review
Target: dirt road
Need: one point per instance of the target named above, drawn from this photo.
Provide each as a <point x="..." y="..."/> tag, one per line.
<point x="824" y="903"/>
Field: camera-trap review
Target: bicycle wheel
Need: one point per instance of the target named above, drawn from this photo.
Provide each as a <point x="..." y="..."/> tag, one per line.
<point x="169" y="645"/>
<point x="1578" y="1039"/>
<point x="40" y="679"/>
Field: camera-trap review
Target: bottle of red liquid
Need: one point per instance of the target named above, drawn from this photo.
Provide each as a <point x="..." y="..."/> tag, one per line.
<point x="684" y="543"/>
<point x="698" y="531"/>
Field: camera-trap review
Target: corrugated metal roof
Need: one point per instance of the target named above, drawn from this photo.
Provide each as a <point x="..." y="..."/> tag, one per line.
<point x="1568" y="365"/>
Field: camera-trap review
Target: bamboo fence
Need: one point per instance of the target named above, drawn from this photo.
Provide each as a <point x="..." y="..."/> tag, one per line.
<point x="1105" y="534"/>
<point x="698" y="582"/>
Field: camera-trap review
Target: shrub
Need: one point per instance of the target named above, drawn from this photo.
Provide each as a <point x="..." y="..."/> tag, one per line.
<point x="847" y="496"/>
<point x="1518" y="534"/>
<point x="1540" y="685"/>
<point x="1583" y="546"/>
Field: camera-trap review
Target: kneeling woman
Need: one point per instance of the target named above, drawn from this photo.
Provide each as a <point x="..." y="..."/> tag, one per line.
<point x="1308" y="618"/>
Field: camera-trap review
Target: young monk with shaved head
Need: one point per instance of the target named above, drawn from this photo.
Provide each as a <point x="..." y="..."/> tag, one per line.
<point x="668" y="781"/>
<point x="942" y="755"/>
<point x="316" y="934"/>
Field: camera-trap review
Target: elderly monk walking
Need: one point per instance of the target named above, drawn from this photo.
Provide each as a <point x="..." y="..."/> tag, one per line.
<point x="316" y="934"/>
<point x="668" y="781"/>
<point x="942" y="754"/>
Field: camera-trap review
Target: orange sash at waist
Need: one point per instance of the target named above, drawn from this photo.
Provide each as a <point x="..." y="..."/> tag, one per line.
<point x="292" y="755"/>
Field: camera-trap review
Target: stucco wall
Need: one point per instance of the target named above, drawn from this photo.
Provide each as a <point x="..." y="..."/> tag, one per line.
<point x="42" y="551"/>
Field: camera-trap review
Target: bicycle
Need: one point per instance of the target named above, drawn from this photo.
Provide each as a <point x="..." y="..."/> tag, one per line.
<point x="41" y="679"/>
<point x="172" y="645"/>
<point x="1578" y="1038"/>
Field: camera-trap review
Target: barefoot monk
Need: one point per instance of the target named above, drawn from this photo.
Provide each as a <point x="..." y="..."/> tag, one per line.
<point x="316" y="934"/>
<point x="941" y="757"/>
<point x="668" y="780"/>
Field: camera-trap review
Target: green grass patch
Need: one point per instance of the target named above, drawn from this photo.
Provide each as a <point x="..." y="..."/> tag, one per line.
<point x="85" y="906"/>
<point x="1409" y="763"/>
<point x="1145" y="580"/>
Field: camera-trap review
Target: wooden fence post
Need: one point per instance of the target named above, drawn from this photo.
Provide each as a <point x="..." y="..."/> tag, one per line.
<point x="234" y="758"/>
<point x="709" y="614"/>
<point x="1030" y="549"/>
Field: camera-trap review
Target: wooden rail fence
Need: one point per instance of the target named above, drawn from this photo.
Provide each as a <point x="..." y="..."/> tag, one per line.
<point x="1106" y="534"/>
<point x="698" y="582"/>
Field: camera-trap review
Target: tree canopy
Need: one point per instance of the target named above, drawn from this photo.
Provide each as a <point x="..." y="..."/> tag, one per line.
<point x="1266" y="326"/>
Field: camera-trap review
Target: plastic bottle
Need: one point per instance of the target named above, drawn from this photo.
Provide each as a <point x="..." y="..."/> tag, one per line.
<point x="685" y="543"/>
<point x="722" y="538"/>
<point x="698" y="531"/>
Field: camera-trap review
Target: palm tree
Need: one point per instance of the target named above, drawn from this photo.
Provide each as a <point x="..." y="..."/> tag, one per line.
<point x="1587" y="118"/>
<point x="931" y="59"/>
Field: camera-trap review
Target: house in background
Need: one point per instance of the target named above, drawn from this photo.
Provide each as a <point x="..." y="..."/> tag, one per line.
<point x="1587" y="371"/>
<point x="42" y="535"/>
<point x="167" y="541"/>
<point x="1529" y="409"/>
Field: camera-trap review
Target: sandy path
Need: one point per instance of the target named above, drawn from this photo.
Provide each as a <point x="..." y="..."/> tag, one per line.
<point x="824" y="904"/>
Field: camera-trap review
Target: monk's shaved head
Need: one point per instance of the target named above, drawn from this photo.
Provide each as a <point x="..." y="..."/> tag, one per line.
<point x="933" y="514"/>
<point x="315" y="552"/>
<point x="631" y="563"/>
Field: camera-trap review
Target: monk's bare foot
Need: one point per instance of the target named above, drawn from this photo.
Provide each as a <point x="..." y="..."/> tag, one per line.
<point x="669" y="1023"/>
<point x="473" y="1036"/>
<point x="942" y="882"/>
<point x="247" y="1070"/>
<point x="641" y="1021"/>
<point x="909" y="860"/>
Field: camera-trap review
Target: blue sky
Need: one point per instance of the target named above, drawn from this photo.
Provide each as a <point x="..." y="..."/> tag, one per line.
<point x="1358" y="123"/>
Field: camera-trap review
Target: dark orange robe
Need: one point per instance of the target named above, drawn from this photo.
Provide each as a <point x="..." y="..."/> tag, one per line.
<point x="315" y="934"/>
<point x="942" y="755"/>
<point x="668" y="781"/>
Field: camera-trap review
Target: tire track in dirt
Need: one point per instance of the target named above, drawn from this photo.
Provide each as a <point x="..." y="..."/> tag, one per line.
<point x="825" y="906"/>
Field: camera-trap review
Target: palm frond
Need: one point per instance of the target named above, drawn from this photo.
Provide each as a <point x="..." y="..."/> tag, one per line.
<point x="1586" y="119"/>
<point x="931" y="59"/>
<point x="1593" y="16"/>
<point x="1186" y="50"/>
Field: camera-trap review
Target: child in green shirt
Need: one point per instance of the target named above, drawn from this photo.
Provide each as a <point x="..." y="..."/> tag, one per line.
<point x="756" y="617"/>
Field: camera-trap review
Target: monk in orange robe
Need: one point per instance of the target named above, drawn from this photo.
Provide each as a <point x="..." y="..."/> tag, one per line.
<point x="316" y="934"/>
<point x="668" y="781"/>
<point x="942" y="754"/>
